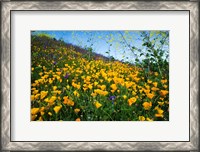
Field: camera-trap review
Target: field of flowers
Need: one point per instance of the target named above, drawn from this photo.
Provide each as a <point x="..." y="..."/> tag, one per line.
<point x="67" y="86"/>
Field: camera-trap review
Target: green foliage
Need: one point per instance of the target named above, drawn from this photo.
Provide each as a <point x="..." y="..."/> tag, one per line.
<point x="44" y="35"/>
<point x="156" y="59"/>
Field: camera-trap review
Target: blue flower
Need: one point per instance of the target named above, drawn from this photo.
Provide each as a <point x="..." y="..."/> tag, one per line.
<point x="66" y="76"/>
<point x="112" y="98"/>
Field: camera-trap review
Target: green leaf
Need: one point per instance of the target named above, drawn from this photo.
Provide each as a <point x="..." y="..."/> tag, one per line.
<point x="141" y="54"/>
<point x="151" y="34"/>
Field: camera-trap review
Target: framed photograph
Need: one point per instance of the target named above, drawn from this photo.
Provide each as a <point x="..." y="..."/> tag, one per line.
<point x="104" y="75"/>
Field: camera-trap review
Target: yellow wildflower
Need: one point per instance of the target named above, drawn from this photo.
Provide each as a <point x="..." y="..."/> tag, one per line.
<point x="90" y="86"/>
<point x="56" y="92"/>
<point x="68" y="86"/>
<point x="109" y="79"/>
<point x="35" y="92"/>
<point x="162" y="99"/>
<point x="164" y="81"/>
<point x="54" y="88"/>
<point x="58" y="73"/>
<point x="159" y="112"/>
<point x="131" y="101"/>
<point x="78" y="119"/>
<point x="51" y="100"/>
<point x="112" y="91"/>
<point x="57" y="108"/>
<point x="33" y="84"/>
<point x="114" y="87"/>
<point x="76" y="93"/>
<point x="33" y="117"/>
<point x="141" y="118"/>
<point x="128" y="84"/>
<point x="101" y="92"/>
<point x="127" y="79"/>
<point x="78" y="86"/>
<point x="124" y="96"/>
<point x="133" y="93"/>
<point x="156" y="73"/>
<point x="148" y="119"/>
<point x="41" y="73"/>
<point x="161" y="103"/>
<point x="68" y="101"/>
<point x="97" y="104"/>
<point x="165" y="86"/>
<point x="146" y="91"/>
<point x="95" y="83"/>
<point x="159" y="115"/>
<point x="163" y="93"/>
<point x="104" y="93"/>
<point x="34" y="111"/>
<point x="42" y="113"/>
<point x="103" y="87"/>
<point x="93" y="94"/>
<point x="150" y="95"/>
<point x="141" y="90"/>
<point x="136" y="79"/>
<point x="147" y="105"/>
<point x="42" y="109"/>
<point x="166" y="102"/>
<point x="49" y="113"/>
<point x="155" y="84"/>
<point x="50" y="81"/>
<point x="40" y="119"/>
<point x="43" y="94"/>
<point x="76" y="110"/>
<point x="154" y="89"/>
<point x="32" y="97"/>
<point x="37" y="96"/>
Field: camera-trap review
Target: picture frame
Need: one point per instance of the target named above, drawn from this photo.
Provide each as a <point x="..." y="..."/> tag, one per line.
<point x="8" y="7"/>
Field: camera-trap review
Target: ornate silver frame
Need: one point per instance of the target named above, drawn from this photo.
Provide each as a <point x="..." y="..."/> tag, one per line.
<point x="8" y="6"/>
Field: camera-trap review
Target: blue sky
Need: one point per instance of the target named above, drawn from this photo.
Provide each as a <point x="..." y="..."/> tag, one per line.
<point x="108" y="43"/>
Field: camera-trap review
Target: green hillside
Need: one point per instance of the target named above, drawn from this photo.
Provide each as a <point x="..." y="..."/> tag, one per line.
<point x="69" y="83"/>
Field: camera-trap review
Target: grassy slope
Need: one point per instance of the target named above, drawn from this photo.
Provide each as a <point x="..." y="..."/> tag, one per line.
<point x="54" y="60"/>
